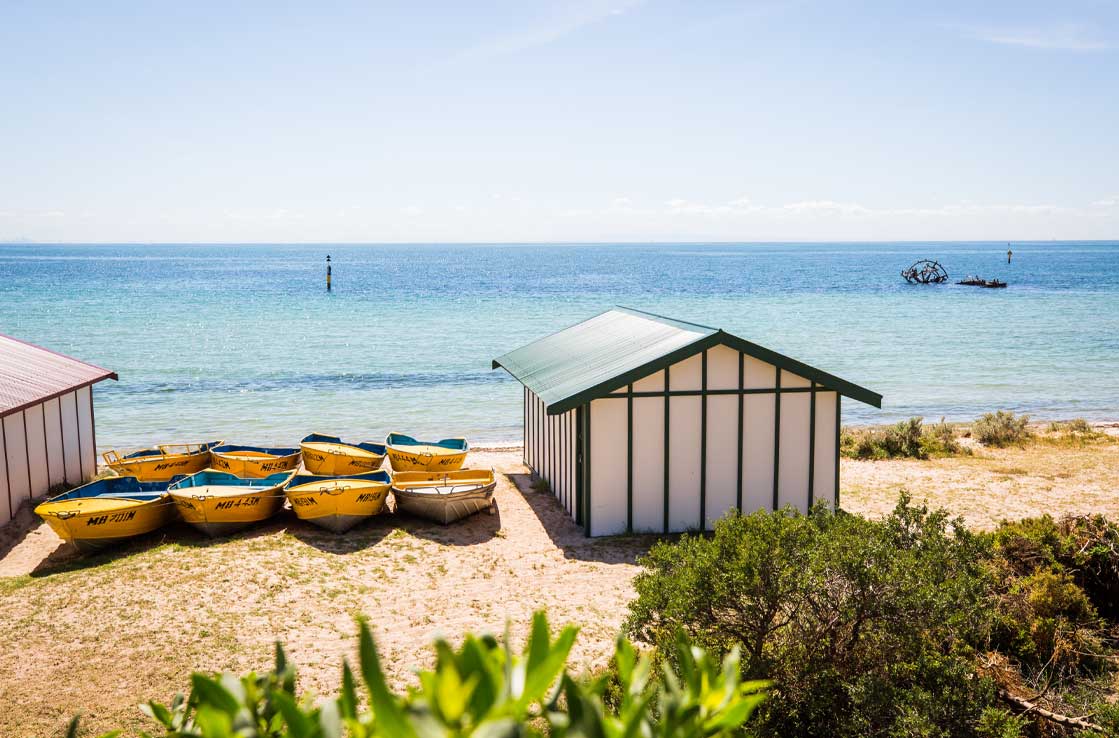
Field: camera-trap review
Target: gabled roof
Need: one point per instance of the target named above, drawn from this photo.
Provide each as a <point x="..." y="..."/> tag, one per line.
<point x="612" y="349"/>
<point x="31" y="374"/>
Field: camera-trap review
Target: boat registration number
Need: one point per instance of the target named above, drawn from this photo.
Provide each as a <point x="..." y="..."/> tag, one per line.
<point x="239" y="502"/>
<point x="120" y="517"/>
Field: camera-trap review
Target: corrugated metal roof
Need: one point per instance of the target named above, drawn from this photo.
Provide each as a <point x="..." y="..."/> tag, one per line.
<point x="612" y="349"/>
<point x="30" y="374"/>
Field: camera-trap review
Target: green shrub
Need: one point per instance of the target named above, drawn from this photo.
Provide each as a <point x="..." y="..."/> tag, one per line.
<point x="1001" y="429"/>
<point x="483" y="689"/>
<point x="906" y="439"/>
<point x="1078" y="432"/>
<point x="1086" y="546"/>
<point x="1076" y="425"/>
<point x="866" y="627"/>
<point x="939" y="439"/>
<point x="998" y="723"/>
<point x="901" y="440"/>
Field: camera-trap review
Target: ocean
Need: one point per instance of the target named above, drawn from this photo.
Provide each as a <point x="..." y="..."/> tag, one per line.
<point x="244" y="343"/>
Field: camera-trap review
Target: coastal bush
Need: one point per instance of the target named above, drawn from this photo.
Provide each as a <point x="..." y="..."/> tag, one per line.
<point x="866" y="627"/>
<point x="908" y="626"/>
<point x="939" y="439"/>
<point x="1074" y="426"/>
<point x="1085" y="546"/>
<point x="1078" y="432"/>
<point x="906" y="439"/>
<point x="1002" y="428"/>
<point x="482" y="689"/>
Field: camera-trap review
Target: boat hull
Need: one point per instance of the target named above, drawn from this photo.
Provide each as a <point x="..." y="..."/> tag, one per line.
<point x="162" y="463"/>
<point x="253" y="464"/>
<point x="427" y="460"/>
<point x="337" y="459"/>
<point x="222" y="514"/>
<point x="444" y="497"/>
<point x="93" y="524"/>
<point x="444" y="509"/>
<point x="338" y="504"/>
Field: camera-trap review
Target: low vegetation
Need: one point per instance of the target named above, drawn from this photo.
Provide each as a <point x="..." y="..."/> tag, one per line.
<point x="913" y="439"/>
<point x="1078" y="432"/>
<point x="907" y="626"/>
<point x="907" y="439"/>
<point x="1001" y="429"/>
<point x="482" y="689"/>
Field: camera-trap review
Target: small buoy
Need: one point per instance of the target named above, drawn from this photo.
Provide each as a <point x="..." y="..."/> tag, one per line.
<point x="328" y="272"/>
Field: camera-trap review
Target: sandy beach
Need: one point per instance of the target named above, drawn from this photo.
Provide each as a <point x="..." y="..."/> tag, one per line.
<point x="95" y="635"/>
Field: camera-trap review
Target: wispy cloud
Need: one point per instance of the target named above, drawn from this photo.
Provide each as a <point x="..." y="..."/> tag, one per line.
<point x="1062" y="36"/>
<point x="570" y="19"/>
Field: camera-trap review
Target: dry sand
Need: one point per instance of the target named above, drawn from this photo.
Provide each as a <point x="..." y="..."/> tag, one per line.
<point x="98" y="635"/>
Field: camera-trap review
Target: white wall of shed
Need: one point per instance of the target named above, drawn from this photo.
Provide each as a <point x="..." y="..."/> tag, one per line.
<point x="608" y="466"/>
<point x="56" y="463"/>
<point x="5" y="507"/>
<point x="70" y="438"/>
<point x="824" y="469"/>
<point x="15" y="446"/>
<point x="84" y="398"/>
<point x="33" y="421"/>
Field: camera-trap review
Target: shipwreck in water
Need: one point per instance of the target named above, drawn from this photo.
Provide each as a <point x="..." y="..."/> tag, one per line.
<point x="925" y="271"/>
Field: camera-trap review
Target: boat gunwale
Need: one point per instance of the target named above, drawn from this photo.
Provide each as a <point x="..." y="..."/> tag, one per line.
<point x="411" y="441"/>
<point x="369" y="447"/>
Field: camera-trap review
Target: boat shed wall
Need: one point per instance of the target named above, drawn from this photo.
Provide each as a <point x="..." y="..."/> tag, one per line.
<point x="729" y="433"/>
<point x="46" y="422"/>
<point x="550" y="449"/>
<point x="43" y="445"/>
<point x="642" y="423"/>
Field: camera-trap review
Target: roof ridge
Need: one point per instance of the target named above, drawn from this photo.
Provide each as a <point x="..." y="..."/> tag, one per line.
<point x="665" y="319"/>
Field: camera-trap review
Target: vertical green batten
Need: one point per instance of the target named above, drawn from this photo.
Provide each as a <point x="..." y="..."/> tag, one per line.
<point x="580" y="466"/>
<point x="703" y="443"/>
<point x="590" y="454"/>
<point x="667" y="399"/>
<point x="777" y="438"/>
<point x="629" y="459"/>
<point x="811" y="443"/>
<point x="838" y="397"/>
<point x="741" y="398"/>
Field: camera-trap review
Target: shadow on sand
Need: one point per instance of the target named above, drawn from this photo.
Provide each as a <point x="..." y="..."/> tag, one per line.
<point x="569" y="537"/>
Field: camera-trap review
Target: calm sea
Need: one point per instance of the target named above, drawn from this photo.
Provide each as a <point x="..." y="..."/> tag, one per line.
<point x="244" y="342"/>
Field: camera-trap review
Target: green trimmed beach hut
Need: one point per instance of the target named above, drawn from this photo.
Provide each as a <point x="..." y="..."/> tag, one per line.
<point x="642" y="423"/>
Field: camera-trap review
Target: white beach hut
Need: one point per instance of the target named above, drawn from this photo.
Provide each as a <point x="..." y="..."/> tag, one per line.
<point x="46" y="422"/>
<point x="641" y="423"/>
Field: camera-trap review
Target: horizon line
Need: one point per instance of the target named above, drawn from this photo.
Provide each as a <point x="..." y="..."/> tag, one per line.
<point x="649" y="242"/>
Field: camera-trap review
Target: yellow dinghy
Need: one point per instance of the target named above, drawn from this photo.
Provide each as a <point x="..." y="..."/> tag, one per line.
<point x="253" y="461"/>
<point x="108" y="511"/>
<point x="219" y="503"/>
<point x="338" y="503"/>
<point x="444" y="496"/>
<point x="163" y="462"/>
<point x="408" y="454"/>
<point x="331" y="456"/>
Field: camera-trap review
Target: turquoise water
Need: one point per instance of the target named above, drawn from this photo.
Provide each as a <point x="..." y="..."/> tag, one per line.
<point x="244" y="343"/>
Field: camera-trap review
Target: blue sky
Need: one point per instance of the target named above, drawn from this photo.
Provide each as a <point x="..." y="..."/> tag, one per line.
<point x="584" y="121"/>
